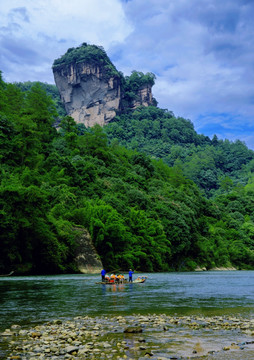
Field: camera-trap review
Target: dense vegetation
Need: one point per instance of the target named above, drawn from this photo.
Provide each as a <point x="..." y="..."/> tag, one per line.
<point x="131" y="85"/>
<point x="91" y="54"/>
<point x="51" y="90"/>
<point x="140" y="212"/>
<point x="214" y="165"/>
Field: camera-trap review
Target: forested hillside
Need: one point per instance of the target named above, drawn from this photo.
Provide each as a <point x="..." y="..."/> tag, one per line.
<point x="140" y="212"/>
<point x="216" y="166"/>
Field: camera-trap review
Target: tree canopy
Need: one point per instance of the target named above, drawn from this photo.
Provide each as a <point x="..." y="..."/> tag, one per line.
<point x="91" y="54"/>
<point x="210" y="163"/>
<point x="145" y="205"/>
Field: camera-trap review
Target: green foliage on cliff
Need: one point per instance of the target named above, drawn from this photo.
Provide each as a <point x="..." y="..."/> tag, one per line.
<point x="91" y="54"/>
<point x="132" y="84"/>
<point x="140" y="212"/>
<point x="97" y="56"/>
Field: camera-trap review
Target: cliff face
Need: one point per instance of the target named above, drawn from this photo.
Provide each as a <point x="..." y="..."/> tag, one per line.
<point x="144" y="96"/>
<point x="87" y="259"/>
<point x="89" y="96"/>
<point x="91" y="88"/>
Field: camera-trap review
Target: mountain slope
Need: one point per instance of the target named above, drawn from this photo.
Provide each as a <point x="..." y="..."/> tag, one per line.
<point x="214" y="165"/>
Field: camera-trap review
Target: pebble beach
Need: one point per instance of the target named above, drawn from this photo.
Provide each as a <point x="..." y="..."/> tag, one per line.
<point x="150" y="336"/>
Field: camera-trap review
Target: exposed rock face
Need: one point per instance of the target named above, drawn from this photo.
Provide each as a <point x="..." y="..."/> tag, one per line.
<point x="89" y="96"/>
<point x="92" y="89"/>
<point x="144" y="96"/>
<point x="87" y="258"/>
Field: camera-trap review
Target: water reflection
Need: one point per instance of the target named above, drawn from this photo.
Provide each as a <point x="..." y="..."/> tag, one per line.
<point x="116" y="297"/>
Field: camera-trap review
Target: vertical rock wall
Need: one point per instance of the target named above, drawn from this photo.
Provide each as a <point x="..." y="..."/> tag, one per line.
<point x="144" y="97"/>
<point x="87" y="259"/>
<point x="89" y="96"/>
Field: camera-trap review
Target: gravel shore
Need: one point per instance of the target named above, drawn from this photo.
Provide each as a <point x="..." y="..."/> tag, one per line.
<point x="151" y="336"/>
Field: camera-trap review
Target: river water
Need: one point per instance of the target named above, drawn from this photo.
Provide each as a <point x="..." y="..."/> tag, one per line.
<point x="33" y="299"/>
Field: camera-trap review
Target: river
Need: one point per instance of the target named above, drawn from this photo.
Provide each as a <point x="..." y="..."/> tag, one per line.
<point x="32" y="299"/>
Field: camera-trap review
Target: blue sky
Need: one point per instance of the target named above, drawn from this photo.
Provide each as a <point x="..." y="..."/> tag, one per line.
<point x="201" y="51"/>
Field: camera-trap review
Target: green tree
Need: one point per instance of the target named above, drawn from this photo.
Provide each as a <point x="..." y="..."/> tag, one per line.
<point x="40" y="109"/>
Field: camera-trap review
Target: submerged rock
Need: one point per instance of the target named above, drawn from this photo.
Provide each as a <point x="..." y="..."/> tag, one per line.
<point x="133" y="330"/>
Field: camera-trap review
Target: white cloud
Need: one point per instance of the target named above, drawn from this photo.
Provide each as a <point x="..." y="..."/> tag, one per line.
<point x="202" y="54"/>
<point x="49" y="27"/>
<point x="76" y="20"/>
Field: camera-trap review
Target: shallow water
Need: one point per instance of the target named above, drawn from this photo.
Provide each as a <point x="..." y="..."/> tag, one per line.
<point x="35" y="299"/>
<point x="40" y="298"/>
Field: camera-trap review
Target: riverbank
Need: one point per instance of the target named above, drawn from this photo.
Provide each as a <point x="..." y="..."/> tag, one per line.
<point x="198" y="268"/>
<point x="133" y="337"/>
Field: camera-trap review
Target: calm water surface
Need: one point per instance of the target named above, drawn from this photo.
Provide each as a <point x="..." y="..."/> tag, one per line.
<point x="40" y="298"/>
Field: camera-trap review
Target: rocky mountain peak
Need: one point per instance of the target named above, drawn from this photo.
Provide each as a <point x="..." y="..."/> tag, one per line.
<point x="92" y="89"/>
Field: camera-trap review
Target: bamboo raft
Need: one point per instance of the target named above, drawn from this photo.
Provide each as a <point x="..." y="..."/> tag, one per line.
<point x="136" y="281"/>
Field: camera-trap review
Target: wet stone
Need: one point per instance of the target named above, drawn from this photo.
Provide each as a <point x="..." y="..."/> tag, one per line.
<point x="186" y="339"/>
<point x="133" y="330"/>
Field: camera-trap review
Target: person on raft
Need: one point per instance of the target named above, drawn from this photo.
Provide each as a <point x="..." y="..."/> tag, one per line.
<point x="103" y="273"/>
<point x="120" y="278"/>
<point x="130" y="275"/>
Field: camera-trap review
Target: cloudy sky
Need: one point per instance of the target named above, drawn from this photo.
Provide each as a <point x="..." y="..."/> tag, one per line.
<point x="201" y="51"/>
